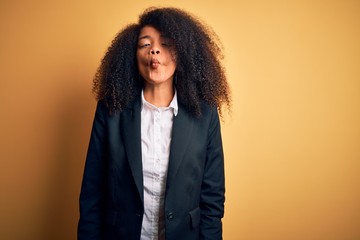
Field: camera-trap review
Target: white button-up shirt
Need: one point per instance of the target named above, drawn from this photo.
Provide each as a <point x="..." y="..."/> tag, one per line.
<point x="156" y="127"/>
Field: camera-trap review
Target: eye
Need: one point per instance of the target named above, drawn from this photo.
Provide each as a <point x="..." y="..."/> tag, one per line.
<point x="143" y="45"/>
<point x="165" y="44"/>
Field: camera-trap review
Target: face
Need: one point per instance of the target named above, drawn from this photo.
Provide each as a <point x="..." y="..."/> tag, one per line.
<point x="155" y="57"/>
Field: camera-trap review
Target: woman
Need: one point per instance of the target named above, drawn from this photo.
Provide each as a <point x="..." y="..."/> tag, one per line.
<point x="155" y="167"/>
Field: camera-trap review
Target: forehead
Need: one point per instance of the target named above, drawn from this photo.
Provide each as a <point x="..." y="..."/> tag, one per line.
<point x="149" y="32"/>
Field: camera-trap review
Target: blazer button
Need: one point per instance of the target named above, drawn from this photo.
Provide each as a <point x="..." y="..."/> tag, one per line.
<point x="170" y="216"/>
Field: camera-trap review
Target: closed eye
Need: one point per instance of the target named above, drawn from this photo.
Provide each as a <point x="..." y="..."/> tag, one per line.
<point x="144" y="45"/>
<point x="166" y="44"/>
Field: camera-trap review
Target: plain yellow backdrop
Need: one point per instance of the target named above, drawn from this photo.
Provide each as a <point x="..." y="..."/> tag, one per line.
<point x="292" y="142"/>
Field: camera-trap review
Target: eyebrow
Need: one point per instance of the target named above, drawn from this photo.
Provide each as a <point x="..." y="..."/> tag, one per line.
<point x="142" y="37"/>
<point x="147" y="36"/>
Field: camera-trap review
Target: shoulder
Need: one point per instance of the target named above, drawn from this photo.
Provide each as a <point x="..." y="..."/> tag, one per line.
<point x="103" y="108"/>
<point x="209" y="111"/>
<point x="209" y="116"/>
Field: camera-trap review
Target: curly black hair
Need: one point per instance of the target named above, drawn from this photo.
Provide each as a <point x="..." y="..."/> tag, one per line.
<point x="199" y="76"/>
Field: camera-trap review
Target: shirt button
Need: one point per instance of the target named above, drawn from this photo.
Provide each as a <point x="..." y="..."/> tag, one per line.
<point x="170" y="216"/>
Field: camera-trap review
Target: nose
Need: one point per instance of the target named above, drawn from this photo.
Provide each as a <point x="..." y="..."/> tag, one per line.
<point x="154" y="51"/>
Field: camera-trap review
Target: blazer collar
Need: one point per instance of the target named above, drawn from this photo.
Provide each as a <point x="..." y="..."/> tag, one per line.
<point x="181" y="135"/>
<point x="131" y="125"/>
<point x="180" y="139"/>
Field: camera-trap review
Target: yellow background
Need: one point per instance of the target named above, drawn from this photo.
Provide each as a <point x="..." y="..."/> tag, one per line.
<point x="292" y="143"/>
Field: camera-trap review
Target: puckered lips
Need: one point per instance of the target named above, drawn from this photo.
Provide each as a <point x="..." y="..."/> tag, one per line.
<point x="154" y="63"/>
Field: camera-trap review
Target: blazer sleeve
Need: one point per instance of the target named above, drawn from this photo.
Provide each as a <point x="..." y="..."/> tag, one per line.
<point x="213" y="186"/>
<point x="93" y="183"/>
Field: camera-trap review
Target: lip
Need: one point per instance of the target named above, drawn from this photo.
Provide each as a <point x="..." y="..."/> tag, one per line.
<point x="154" y="63"/>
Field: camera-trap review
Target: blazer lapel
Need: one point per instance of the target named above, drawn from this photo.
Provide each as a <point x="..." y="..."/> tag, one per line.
<point x="181" y="135"/>
<point x="131" y="121"/>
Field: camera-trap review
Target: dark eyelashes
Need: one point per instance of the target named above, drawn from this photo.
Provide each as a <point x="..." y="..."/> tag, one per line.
<point x="144" y="45"/>
<point x="148" y="44"/>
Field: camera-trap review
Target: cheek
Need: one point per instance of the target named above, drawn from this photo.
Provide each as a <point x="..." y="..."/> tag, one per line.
<point x="173" y="60"/>
<point x="170" y="61"/>
<point x="141" y="65"/>
<point x="140" y="58"/>
<point x="173" y="63"/>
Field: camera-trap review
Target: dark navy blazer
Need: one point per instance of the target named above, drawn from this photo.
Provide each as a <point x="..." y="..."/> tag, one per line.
<point x="111" y="198"/>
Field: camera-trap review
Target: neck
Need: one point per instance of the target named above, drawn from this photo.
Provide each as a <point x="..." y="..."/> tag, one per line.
<point x="159" y="96"/>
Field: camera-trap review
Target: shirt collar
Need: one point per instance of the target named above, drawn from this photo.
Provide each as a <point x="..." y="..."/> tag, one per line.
<point x="173" y="104"/>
